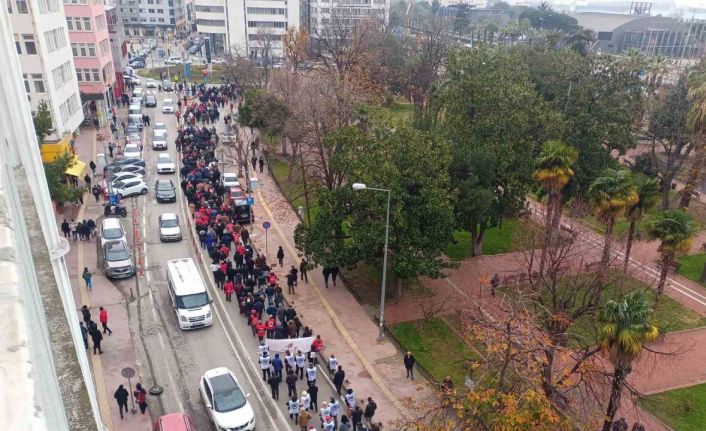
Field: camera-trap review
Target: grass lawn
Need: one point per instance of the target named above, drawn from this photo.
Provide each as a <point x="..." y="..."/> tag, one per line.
<point x="691" y="266"/>
<point x="402" y="110"/>
<point x="292" y="186"/>
<point x="681" y="409"/>
<point x="436" y="347"/>
<point x="497" y="240"/>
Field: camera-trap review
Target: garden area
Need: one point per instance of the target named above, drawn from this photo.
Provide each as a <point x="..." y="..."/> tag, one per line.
<point x="219" y="73"/>
<point x="436" y="347"/>
<point x="692" y="266"/>
<point x="680" y="409"/>
<point x="503" y="239"/>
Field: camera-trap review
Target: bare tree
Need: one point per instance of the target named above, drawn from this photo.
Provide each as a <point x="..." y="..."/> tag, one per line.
<point x="241" y="70"/>
<point x="347" y="46"/>
<point x="294" y="46"/>
<point x="428" y="53"/>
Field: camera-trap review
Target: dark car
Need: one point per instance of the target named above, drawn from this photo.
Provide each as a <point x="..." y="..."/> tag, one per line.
<point x="167" y="85"/>
<point x="137" y="64"/>
<point x="165" y="191"/>
<point x="150" y="101"/>
<point x="128" y="161"/>
<point x="242" y="212"/>
<point x="128" y="168"/>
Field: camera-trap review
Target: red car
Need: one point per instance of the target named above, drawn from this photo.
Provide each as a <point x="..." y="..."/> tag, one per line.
<point x="236" y="193"/>
<point x="174" y="422"/>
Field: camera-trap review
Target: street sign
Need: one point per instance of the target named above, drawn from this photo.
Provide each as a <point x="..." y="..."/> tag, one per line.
<point x="251" y="201"/>
<point x="266" y="225"/>
<point x="127" y="372"/>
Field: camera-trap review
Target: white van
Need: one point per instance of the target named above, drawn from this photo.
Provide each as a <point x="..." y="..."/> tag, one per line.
<point x="188" y="293"/>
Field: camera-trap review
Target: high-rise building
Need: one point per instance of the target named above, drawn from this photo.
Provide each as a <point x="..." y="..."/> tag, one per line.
<point x="152" y="17"/>
<point x="118" y="46"/>
<point x="252" y="27"/>
<point x="48" y="72"/>
<point x="318" y="16"/>
<point x="90" y="44"/>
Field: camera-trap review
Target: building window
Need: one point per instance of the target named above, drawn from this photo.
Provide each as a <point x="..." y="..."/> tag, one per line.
<point x="266" y="11"/>
<point x="26" y="80"/>
<point x="18" y="44"/>
<point x="83" y="49"/>
<point x="100" y="22"/>
<point x="55" y="39"/>
<point x="211" y="22"/>
<point x="105" y="46"/>
<point x="68" y="108"/>
<point x="62" y="75"/>
<point x="86" y="23"/>
<point x="160" y="19"/>
<point x="96" y="75"/>
<point x="30" y="45"/>
<point x="9" y="6"/>
<point x="267" y="24"/>
<point x="76" y="1"/>
<point x="150" y="10"/>
<point x="22" y="6"/>
<point x="160" y="10"/>
<point x="48" y="6"/>
<point x="38" y="80"/>
<point x="210" y="8"/>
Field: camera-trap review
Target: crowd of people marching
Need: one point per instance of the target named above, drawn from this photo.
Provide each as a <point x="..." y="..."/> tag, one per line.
<point x="248" y="279"/>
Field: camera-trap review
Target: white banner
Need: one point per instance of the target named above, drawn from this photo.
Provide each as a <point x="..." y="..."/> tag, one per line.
<point x="291" y="344"/>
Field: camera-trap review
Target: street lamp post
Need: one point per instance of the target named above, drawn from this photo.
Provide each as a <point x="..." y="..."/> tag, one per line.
<point x="361" y="186"/>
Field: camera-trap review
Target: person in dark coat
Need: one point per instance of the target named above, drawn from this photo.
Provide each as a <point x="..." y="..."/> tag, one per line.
<point x="338" y="378"/>
<point x="274" y="382"/>
<point x="357" y="416"/>
<point x="314" y="394"/>
<point x="280" y="256"/>
<point x="262" y="163"/>
<point x="327" y="272"/>
<point x="291" y="383"/>
<point x="370" y="411"/>
<point x="141" y="395"/>
<point x="409" y="364"/>
<point x="97" y="337"/>
<point x="121" y="397"/>
<point x="303" y="268"/>
<point x="86" y="314"/>
<point x="334" y="275"/>
<point x="84" y="335"/>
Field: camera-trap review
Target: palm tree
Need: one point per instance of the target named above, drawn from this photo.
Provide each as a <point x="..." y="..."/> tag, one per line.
<point x="611" y="194"/>
<point x="696" y="123"/>
<point x="674" y="228"/>
<point x="627" y="326"/>
<point x="553" y="171"/>
<point x="647" y="191"/>
<point x="657" y="67"/>
<point x="633" y="60"/>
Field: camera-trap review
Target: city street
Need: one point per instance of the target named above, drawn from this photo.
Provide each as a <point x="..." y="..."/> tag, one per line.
<point x="174" y="358"/>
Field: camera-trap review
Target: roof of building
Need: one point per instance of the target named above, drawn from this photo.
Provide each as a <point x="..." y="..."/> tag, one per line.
<point x="602" y="21"/>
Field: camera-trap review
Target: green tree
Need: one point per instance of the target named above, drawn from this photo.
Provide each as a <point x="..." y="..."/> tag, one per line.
<point x="611" y="194"/>
<point x="59" y="190"/>
<point x="491" y="151"/>
<point x="628" y="324"/>
<point x="696" y="123"/>
<point x="647" y="191"/>
<point x="674" y="229"/>
<point x="42" y="121"/>
<point x="264" y="111"/>
<point x="553" y="171"/>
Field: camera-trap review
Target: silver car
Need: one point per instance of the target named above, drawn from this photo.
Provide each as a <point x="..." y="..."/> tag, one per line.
<point x="169" y="228"/>
<point x="117" y="260"/>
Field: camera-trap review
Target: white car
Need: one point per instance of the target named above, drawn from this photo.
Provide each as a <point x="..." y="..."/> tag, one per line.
<point x="160" y="127"/>
<point x="167" y="106"/>
<point x="112" y="230"/>
<point x="165" y="164"/>
<point x="173" y="60"/>
<point x="159" y="140"/>
<point x="230" y="179"/>
<point x="132" y="151"/>
<point x="225" y="401"/>
<point x="136" y="80"/>
<point x="129" y="71"/>
<point x="151" y="83"/>
<point x="169" y="229"/>
<point x="135" y="186"/>
<point x="124" y="176"/>
<point x="218" y="60"/>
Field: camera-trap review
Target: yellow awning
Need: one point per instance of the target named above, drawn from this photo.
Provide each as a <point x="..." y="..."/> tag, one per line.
<point x="77" y="169"/>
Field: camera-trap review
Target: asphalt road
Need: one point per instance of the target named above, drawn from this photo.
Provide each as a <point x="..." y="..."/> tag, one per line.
<point x="178" y="358"/>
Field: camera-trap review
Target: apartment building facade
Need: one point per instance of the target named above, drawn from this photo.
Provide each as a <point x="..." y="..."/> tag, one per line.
<point x="48" y="72"/>
<point x="93" y="58"/>
<point x="251" y="27"/>
<point x="320" y="16"/>
<point x="152" y="18"/>
<point x="118" y="47"/>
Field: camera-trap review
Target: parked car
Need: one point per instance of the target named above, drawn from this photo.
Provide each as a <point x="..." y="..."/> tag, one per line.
<point x="137" y="64"/>
<point x="117" y="261"/>
<point x="159" y="141"/>
<point x="151" y="101"/>
<point x="225" y="401"/>
<point x="124" y="176"/>
<point x="236" y="193"/>
<point x="165" y="164"/>
<point x="128" y="168"/>
<point x="174" y="422"/>
<point x="173" y="60"/>
<point x="195" y="49"/>
<point x="230" y="179"/>
<point x="132" y="151"/>
<point x="151" y="83"/>
<point x="134" y="128"/>
<point x="169" y="228"/>
<point x="111" y="230"/>
<point x="165" y="191"/>
<point x="135" y="80"/>
<point x="129" y="71"/>
<point x="128" y="161"/>
<point x="135" y="186"/>
<point x="218" y="60"/>
<point x="167" y="106"/>
<point x="135" y="108"/>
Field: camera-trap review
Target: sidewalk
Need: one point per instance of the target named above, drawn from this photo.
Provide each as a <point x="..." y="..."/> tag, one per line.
<point x="373" y="369"/>
<point x="117" y="348"/>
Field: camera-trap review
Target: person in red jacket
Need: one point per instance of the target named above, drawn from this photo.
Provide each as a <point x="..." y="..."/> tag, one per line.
<point x="254" y="321"/>
<point x="271" y="327"/>
<point x="104" y="320"/>
<point x="228" y="288"/>
<point x="260" y="330"/>
<point x="272" y="279"/>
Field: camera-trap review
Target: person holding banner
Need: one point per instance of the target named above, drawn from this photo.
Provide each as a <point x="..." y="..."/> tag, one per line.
<point x="289" y="361"/>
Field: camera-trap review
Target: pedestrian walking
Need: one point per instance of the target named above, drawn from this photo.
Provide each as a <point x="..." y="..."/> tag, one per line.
<point x="338" y="378"/>
<point x="73" y="226"/>
<point x="66" y="229"/>
<point x="88" y="278"/>
<point x="327" y="423"/>
<point x="280" y="256"/>
<point x="335" y="408"/>
<point x="334" y="275"/>
<point x="351" y="402"/>
<point x="291" y="381"/>
<point x="265" y="363"/>
<point x="357" y="417"/>
<point x="92" y="165"/>
<point x="303" y="421"/>
<point x="84" y="335"/>
<point x="140" y="395"/>
<point x="494" y="284"/>
<point x="103" y="316"/>
<point x="332" y="364"/>
<point x="274" y="382"/>
<point x="97" y="337"/>
<point x="327" y="272"/>
<point x="277" y="365"/>
<point x="86" y="315"/>
<point x="305" y="400"/>
<point x="87" y="179"/>
<point x="370" y="411"/>
<point x="111" y="146"/>
<point x="311" y="374"/>
<point x="228" y="289"/>
<point x="301" y="362"/>
<point x="289" y="362"/>
<point x="303" y="268"/>
<point x="254" y="163"/>
<point x="324" y="411"/>
<point x="293" y="408"/>
<point x="120" y="396"/>
<point x="262" y="163"/>
<point x="345" y="424"/>
<point x="409" y="364"/>
<point x="291" y="282"/>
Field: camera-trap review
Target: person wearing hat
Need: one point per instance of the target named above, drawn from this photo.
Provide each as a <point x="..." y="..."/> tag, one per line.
<point x="305" y="401"/>
<point x="303" y="419"/>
